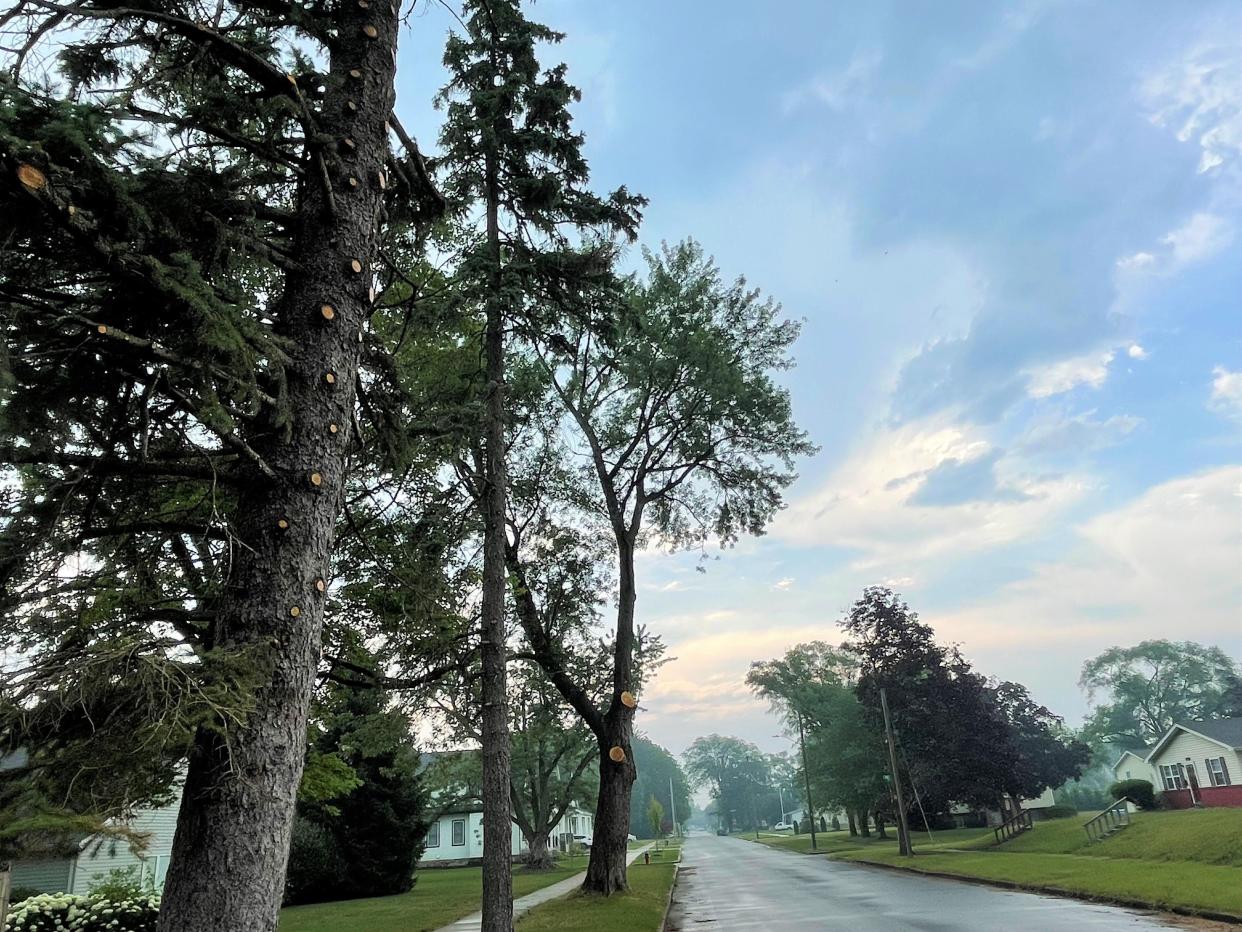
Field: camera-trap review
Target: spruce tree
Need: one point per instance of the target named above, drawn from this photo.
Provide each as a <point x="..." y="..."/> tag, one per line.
<point x="193" y="202"/>
<point x="508" y="147"/>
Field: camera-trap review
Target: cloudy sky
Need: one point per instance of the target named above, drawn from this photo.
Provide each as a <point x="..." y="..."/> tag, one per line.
<point x="1014" y="232"/>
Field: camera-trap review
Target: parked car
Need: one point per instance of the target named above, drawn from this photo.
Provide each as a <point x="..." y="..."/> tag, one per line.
<point x="584" y="840"/>
<point x="631" y="838"/>
<point x="722" y="831"/>
<point x="781" y="826"/>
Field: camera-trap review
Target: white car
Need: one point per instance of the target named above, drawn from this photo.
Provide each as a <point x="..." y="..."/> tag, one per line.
<point x="584" y="840"/>
<point x="780" y="826"/>
<point x="631" y="838"/>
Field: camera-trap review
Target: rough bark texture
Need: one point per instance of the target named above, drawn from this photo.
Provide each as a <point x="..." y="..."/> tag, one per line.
<point x="229" y="855"/>
<point x="497" y="859"/>
<point x="850" y="818"/>
<point x="606" y="872"/>
<point x="539" y="855"/>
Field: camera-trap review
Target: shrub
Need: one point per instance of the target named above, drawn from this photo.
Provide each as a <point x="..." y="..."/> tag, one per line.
<point x="314" y="864"/>
<point x="1058" y="812"/>
<point x="120" y="884"/>
<point x="52" y="912"/>
<point x="1139" y="792"/>
<point x="17" y="894"/>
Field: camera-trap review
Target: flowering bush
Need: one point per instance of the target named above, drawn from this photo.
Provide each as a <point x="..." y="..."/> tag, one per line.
<point x="66" y="912"/>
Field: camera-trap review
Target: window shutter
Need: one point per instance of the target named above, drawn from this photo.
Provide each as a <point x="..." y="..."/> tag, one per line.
<point x="1224" y="767"/>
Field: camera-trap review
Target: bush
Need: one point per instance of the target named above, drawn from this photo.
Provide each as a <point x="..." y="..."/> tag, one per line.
<point x="314" y="864"/>
<point x="1057" y="812"/>
<point x="17" y="894"/>
<point x="52" y="912"/>
<point x="1139" y="792"/>
<point x="120" y="884"/>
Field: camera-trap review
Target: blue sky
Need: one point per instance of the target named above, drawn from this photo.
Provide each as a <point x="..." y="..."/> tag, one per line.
<point x="1014" y="233"/>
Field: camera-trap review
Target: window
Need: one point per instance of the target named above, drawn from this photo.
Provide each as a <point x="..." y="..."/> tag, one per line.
<point x="459" y="831"/>
<point x="433" y="834"/>
<point x="1218" y="771"/>
<point x="1173" y="776"/>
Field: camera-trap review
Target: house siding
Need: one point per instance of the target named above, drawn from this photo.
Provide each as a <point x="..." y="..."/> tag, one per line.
<point x="1186" y="745"/>
<point x="473" y="848"/>
<point x="51" y="876"/>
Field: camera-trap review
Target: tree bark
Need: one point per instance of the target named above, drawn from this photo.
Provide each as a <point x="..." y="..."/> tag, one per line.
<point x="863" y="828"/>
<point x="606" y="872"/>
<point x="497" y="814"/>
<point x="849" y="815"/>
<point x="539" y="855"/>
<point x="231" y="846"/>
<point x="879" y="825"/>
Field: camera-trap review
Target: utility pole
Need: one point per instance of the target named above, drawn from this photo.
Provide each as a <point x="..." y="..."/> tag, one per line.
<point x="806" y="773"/>
<point x="672" y="805"/>
<point x="903" y="830"/>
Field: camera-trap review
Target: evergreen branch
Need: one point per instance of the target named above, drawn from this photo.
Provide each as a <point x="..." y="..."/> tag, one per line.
<point x="113" y="466"/>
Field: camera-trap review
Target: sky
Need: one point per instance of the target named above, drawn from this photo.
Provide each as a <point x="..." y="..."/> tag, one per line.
<point x="1014" y="233"/>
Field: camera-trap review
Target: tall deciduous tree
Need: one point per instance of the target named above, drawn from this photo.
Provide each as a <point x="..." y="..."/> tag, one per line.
<point x="1141" y="691"/>
<point x="508" y="147"/>
<point x="659" y="775"/>
<point x="686" y="436"/>
<point x="193" y="212"/>
<point x="735" y="773"/>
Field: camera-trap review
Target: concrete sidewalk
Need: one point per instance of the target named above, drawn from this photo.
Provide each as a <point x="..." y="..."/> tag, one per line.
<point x="525" y="904"/>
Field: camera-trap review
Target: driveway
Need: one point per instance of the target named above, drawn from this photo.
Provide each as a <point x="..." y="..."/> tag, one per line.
<point x="735" y="885"/>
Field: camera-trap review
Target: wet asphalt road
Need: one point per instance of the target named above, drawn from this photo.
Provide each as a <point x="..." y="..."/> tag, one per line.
<point x="730" y="885"/>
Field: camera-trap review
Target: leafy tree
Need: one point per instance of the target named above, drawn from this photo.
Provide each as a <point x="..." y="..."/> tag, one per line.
<point x="657" y="771"/>
<point x="508" y="146"/>
<point x="845" y="753"/>
<point x="685" y="435"/>
<point x="655" y="817"/>
<point x="1141" y="691"/>
<point x="365" y="822"/>
<point x="963" y="739"/>
<point x="195" y="213"/>
<point x="735" y="773"/>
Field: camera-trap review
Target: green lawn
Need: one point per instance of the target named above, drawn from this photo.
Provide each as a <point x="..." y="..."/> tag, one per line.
<point x="834" y="842"/>
<point x="639" y="910"/>
<point x="440" y="896"/>
<point x="1184" y="859"/>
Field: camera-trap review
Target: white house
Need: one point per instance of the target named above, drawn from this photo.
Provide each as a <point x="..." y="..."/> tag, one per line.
<point x="1198" y="764"/>
<point x="458" y="835"/>
<point x="1132" y="765"/>
<point x="97" y="856"/>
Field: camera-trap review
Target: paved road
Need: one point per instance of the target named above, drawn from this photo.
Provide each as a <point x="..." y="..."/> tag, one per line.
<point x="731" y="885"/>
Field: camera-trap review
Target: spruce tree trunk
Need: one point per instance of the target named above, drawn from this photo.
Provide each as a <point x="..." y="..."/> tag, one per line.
<point x="228" y="861"/>
<point x="606" y="872"/>
<point x="497" y="856"/>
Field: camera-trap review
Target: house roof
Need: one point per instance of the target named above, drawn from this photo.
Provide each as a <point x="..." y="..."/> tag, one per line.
<point x="1139" y="755"/>
<point x="1227" y="732"/>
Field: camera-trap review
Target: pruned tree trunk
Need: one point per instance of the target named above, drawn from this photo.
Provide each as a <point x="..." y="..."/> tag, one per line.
<point x="228" y="861"/>
<point x="849" y="815"/>
<point x="497" y="812"/>
<point x="879" y="825"/>
<point x="606" y="872"/>
<point x="863" y="828"/>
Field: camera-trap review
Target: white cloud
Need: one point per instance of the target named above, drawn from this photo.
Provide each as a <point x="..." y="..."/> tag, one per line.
<point x="1090" y="370"/>
<point x="1199" y="238"/>
<point x="1162" y="565"/>
<point x="1226" y="395"/>
<point x="1136" y="262"/>
<point x="1136" y="352"/>
<point x="869" y="504"/>
<point x="1198" y="97"/>
<point x="835" y="91"/>
<point x="784" y="584"/>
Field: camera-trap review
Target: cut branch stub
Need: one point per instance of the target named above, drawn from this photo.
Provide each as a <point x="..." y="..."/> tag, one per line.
<point x="364" y="4"/>
<point x="102" y="328"/>
<point x="352" y="106"/>
<point x="616" y="754"/>
<point x="316" y="479"/>
<point x="328" y="311"/>
<point x="320" y="585"/>
<point x="333" y="428"/>
<point x="31" y="177"/>
<point x="349" y="144"/>
<point x="355" y="73"/>
<point x="355" y="265"/>
<point x="282" y="523"/>
<point x="353" y="182"/>
<point x="383" y="179"/>
<point x="294" y="611"/>
<point x="628" y="700"/>
<point x="370" y="32"/>
<point x="371" y="295"/>
<point x="330" y="378"/>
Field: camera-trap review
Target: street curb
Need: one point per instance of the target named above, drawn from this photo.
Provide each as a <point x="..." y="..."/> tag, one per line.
<point x="1056" y="891"/>
<point x="671" y="890"/>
